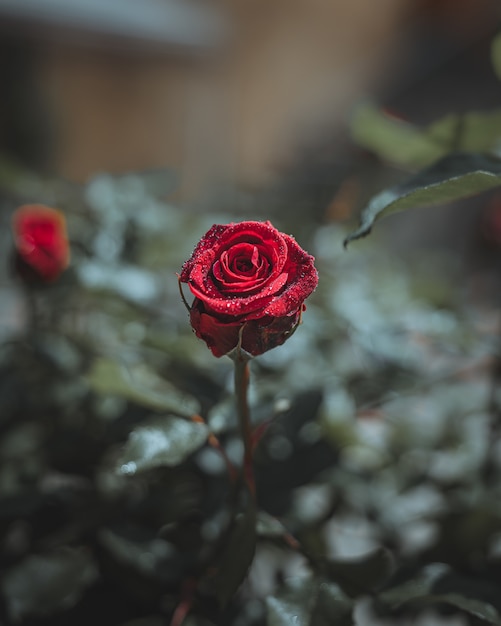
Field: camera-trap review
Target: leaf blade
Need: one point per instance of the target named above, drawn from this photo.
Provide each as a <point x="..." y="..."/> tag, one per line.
<point x="454" y="177"/>
<point x="364" y="575"/>
<point x="141" y="385"/>
<point x="236" y="556"/>
<point x="48" y="583"/>
<point x="309" y="602"/>
<point x="436" y="584"/>
<point x="162" y="441"/>
<point x="412" y="147"/>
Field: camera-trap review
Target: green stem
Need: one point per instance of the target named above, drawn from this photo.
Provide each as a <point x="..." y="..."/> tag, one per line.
<point x="242" y="375"/>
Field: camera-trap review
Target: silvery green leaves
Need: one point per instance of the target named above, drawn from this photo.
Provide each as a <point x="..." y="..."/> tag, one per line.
<point x="363" y="575"/>
<point x="235" y="556"/>
<point x="161" y="441"/>
<point x="437" y="584"/>
<point x="309" y="602"/>
<point x="317" y="601"/>
<point x="141" y="385"/>
<point x="45" y="583"/>
<point x="453" y="177"/>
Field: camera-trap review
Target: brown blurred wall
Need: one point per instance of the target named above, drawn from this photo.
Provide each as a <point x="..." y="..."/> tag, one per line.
<point x="290" y="72"/>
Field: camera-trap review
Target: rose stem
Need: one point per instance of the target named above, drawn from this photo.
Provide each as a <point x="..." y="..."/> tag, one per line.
<point x="214" y="442"/>
<point x="183" y="608"/>
<point x="242" y="374"/>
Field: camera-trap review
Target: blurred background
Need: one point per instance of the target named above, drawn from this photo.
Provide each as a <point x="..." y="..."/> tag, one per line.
<point x="238" y="93"/>
<point x="145" y="123"/>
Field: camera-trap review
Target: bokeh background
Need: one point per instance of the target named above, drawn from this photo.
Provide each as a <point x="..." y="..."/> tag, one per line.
<point x="233" y="93"/>
<point x="148" y="122"/>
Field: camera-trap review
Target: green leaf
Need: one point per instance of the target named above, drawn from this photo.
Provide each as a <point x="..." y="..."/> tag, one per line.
<point x="44" y="584"/>
<point x="496" y="55"/>
<point x="161" y="441"/>
<point x="236" y="557"/>
<point x="480" y="609"/>
<point x="392" y="139"/>
<point x="432" y="587"/>
<point x="141" y="385"/>
<point x="361" y="576"/>
<point x="409" y="146"/>
<point x="480" y="131"/>
<point x="269" y="526"/>
<point x="309" y="602"/>
<point x="454" y="177"/>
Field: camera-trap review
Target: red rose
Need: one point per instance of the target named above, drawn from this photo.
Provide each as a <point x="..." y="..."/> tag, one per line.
<point x="41" y="243"/>
<point x="247" y="275"/>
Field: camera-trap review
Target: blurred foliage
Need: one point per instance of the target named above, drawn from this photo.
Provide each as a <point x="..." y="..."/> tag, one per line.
<point x="453" y="177"/>
<point x="377" y="473"/>
<point x="400" y="142"/>
<point x="460" y="154"/>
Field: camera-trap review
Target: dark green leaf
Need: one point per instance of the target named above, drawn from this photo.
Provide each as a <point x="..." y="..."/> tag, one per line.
<point x="392" y="139"/>
<point x="428" y="588"/>
<point x="472" y="530"/>
<point x="161" y="441"/>
<point x="47" y="583"/>
<point x="478" y="131"/>
<point x="454" y="177"/>
<point x="269" y="526"/>
<point x="140" y="385"/>
<point x="309" y="602"/>
<point x="236" y="557"/>
<point x="361" y="576"/>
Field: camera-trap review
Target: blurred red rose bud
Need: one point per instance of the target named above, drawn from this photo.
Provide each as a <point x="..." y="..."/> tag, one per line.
<point x="42" y="250"/>
<point x="248" y="279"/>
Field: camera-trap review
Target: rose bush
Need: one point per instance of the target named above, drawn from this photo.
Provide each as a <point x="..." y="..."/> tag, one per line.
<point x="247" y="277"/>
<point x="42" y="250"/>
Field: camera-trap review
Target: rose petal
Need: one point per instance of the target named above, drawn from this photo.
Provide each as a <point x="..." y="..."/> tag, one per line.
<point x="302" y="281"/>
<point x="258" y="336"/>
<point x="221" y="338"/>
<point x="251" y="275"/>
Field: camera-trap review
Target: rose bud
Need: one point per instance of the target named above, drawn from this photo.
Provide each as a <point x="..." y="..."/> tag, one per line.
<point x="42" y="250"/>
<point x="250" y="282"/>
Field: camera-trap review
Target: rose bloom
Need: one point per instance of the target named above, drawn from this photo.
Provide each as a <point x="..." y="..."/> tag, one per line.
<point x="41" y="243"/>
<point x="247" y="275"/>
